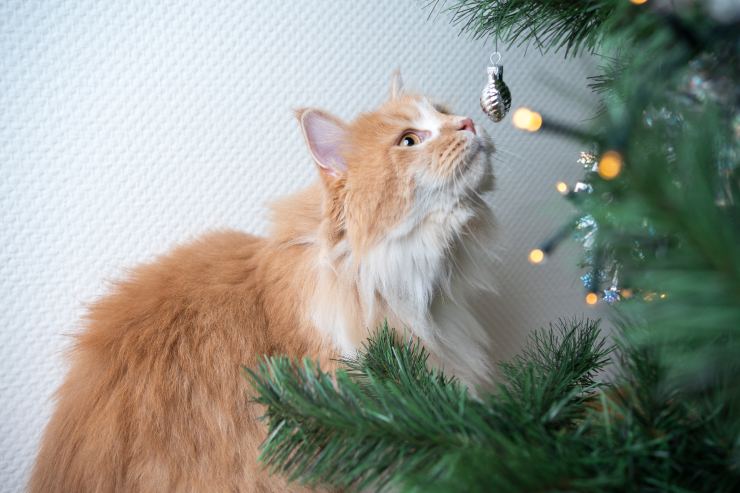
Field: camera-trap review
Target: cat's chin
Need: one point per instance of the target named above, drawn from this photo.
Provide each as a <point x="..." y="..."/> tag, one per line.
<point x="469" y="177"/>
<point x="473" y="177"/>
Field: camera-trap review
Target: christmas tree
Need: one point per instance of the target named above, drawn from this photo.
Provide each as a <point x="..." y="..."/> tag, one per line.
<point x="658" y="214"/>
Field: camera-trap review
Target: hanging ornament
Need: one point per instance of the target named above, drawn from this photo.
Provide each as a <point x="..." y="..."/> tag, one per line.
<point x="496" y="98"/>
<point x="611" y="295"/>
<point x="588" y="160"/>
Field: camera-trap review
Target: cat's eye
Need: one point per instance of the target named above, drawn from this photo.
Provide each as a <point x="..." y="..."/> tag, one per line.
<point x="409" y="139"/>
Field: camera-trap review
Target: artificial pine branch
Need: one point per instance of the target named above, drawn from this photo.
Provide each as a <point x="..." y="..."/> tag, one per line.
<point x="548" y="24"/>
<point x="363" y="431"/>
<point x="394" y="418"/>
<point x="548" y="427"/>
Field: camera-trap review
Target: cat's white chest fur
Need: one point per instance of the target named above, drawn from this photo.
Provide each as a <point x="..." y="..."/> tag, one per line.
<point x="424" y="278"/>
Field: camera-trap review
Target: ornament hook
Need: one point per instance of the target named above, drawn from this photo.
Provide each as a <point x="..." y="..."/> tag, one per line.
<point x="495" y="53"/>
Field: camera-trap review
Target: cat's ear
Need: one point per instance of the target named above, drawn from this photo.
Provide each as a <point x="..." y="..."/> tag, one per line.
<point x="396" y="84"/>
<point x="325" y="136"/>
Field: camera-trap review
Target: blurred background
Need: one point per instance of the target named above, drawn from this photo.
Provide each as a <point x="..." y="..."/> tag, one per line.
<point x="128" y="128"/>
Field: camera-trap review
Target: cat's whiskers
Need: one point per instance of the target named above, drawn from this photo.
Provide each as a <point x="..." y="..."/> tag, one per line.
<point x="460" y="174"/>
<point x="502" y="153"/>
<point x="490" y="257"/>
<point x="460" y="184"/>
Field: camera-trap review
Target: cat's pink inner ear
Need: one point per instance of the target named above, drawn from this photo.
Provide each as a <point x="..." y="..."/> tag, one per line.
<point x="325" y="135"/>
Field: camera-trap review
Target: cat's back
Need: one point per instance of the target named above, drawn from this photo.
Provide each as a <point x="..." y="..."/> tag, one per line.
<point x="154" y="399"/>
<point x="195" y="288"/>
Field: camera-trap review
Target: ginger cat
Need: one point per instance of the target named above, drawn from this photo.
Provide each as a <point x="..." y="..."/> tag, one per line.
<point x="394" y="229"/>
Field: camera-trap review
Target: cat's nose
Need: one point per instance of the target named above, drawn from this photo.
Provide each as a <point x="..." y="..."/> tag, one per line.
<point x="467" y="124"/>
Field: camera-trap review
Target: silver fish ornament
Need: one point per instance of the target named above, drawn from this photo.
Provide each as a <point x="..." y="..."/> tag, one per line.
<point x="495" y="101"/>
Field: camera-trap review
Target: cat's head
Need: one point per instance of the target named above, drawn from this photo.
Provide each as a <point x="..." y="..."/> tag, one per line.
<point x="393" y="169"/>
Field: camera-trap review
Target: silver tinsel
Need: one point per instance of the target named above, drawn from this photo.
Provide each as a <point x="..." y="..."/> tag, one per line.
<point x="495" y="100"/>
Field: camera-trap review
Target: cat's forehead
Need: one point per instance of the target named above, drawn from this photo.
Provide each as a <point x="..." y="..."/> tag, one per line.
<point x="413" y="112"/>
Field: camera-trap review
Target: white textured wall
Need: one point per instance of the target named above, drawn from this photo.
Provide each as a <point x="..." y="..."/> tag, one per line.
<point x="126" y="127"/>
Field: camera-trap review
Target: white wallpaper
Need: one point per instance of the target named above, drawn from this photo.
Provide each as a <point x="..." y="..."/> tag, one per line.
<point x="127" y="127"/>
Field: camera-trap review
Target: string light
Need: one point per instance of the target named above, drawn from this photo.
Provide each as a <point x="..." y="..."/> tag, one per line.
<point x="638" y="2"/>
<point x="526" y="119"/>
<point x="592" y="298"/>
<point x="562" y="187"/>
<point x="536" y="256"/>
<point x="663" y="296"/>
<point x="610" y="165"/>
<point x="626" y="293"/>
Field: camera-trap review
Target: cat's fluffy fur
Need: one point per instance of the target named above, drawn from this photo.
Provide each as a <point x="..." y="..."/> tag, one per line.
<point x="154" y="400"/>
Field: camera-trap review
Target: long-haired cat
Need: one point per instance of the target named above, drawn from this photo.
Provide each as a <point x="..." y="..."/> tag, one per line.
<point x="394" y="229"/>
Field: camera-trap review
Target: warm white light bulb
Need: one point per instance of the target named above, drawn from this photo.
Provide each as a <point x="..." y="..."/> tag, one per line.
<point x="526" y="119"/>
<point x="610" y="165"/>
<point x="536" y="256"/>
